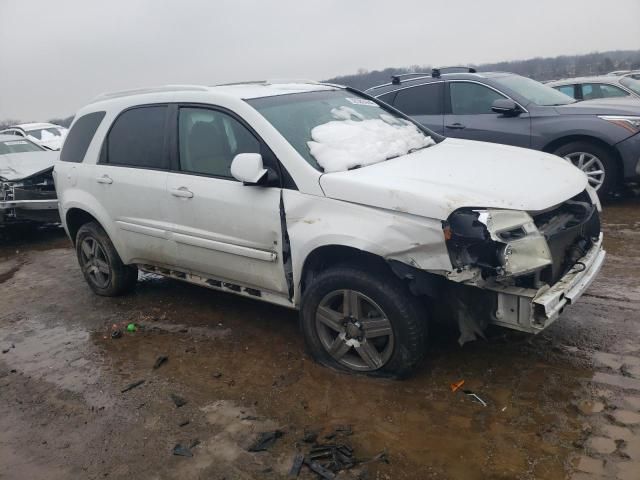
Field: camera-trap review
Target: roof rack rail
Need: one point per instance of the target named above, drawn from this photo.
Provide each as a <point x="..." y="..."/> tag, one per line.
<point x="137" y="91"/>
<point x="395" y="79"/>
<point x="436" y="72"/>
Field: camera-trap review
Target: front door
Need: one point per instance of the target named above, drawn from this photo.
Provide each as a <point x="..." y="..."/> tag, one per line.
<point x="222" y="228"/>
<point x="469" y="116"/>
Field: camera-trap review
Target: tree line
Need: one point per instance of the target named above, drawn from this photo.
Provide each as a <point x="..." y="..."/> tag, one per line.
<point x="541" y="69"/>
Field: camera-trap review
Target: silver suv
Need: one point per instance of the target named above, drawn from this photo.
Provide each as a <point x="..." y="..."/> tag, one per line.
<point x="319" y="198"/>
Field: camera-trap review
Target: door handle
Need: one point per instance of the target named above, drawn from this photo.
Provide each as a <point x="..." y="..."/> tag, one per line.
<point x="105" y="179"/>
<point x="182" y="192"/>
<point x="455" y="126"/>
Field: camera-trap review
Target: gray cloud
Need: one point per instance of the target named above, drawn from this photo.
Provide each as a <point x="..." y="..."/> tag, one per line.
<point x="56" y="56"/>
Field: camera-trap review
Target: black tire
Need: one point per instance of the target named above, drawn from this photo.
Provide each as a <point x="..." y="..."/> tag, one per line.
<point x="405" y="313"/>
<point x="91" y="239"/>
<point x="611" y="183"/>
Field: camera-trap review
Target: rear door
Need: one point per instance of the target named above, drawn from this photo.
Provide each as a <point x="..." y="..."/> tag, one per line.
<point x="222" y="228"/>
<point x="469" y="115"/>
<point x="425" y="103"/>
<point x="130" y="183"/>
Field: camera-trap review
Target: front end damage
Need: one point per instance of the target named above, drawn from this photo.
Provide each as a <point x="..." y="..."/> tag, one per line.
<point x="525" y="267"/>
<point x="31" y="199"/>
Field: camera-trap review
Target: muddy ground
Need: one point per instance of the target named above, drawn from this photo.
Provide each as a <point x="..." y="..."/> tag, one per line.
<point x="563" y="404"/>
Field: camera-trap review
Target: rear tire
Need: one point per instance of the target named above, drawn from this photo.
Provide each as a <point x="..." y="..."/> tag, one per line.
<point x="101" y="265"/>
<point x="363" y="322"/>
<point x="591" y="159"/>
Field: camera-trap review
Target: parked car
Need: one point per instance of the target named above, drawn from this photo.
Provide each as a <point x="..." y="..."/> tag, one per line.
<point x="591" y="88"/>
<point x="599" y="137"/>
<point x="318" y="198"/>
<point x="47" y="135"/>
<point x="27" y="192"/>
<point x="635" y="74"/>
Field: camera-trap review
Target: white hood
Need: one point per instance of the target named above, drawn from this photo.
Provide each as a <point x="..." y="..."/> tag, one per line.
<point x="437" y="180"/>
<point x="17" y="166"/>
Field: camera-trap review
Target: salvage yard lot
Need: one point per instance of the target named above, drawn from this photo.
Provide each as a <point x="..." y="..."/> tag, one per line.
<point x="560" y="403"/>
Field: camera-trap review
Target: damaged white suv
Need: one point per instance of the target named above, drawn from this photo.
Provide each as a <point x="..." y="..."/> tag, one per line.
<point x="320" y="198"/>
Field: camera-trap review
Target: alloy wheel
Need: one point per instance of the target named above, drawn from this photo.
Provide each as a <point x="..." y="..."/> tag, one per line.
<point x="354" y="330"/>
<point x="95" y="262"/>
<point x="589" y="164"/>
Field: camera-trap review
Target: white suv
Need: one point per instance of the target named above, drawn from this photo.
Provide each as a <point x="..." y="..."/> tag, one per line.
<point x="322" y="199"/>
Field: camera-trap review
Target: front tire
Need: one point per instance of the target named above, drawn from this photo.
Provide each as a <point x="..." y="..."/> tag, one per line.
<point x="101" y="265"/>
<point x="596" y="162"/>
<point x="363" y="322"/>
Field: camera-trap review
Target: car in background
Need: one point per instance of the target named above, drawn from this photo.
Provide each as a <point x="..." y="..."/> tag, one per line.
<point x="591" y="88"/>
<point x="627" y="73"/>
<point x="47" y="135"/>
<point x="27" y="191"/>
<point x="599" y="137"/>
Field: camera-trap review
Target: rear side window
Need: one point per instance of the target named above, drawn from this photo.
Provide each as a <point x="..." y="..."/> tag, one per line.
<point x="80" y="136"/>
<point x="136" y="138"/>
<point x="421" y="100"/>
<point x="591" y="91"/>
<point x="472" y="98"/>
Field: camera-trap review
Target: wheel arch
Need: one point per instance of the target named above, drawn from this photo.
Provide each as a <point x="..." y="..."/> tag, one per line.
<point x="559" y="142"/>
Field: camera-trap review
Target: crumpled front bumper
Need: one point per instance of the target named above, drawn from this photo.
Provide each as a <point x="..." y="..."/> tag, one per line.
<point x="532" y="310"/>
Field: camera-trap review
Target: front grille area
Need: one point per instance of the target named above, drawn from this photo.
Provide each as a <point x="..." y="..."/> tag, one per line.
<point x="570" y="230"/>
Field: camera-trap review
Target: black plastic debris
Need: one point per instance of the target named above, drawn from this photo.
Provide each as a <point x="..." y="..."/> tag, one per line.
<point x="265" y="441"/>
<point x="182" y="451"/>
<point x="160" y="361"/>
<point x="296" y="466"/>
<point x="131" y="386"/>
<point x="310" y="436"/>
<point x="178" y="400"/>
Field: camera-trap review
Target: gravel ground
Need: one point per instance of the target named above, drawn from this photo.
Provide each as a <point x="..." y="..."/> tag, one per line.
<point x="563" y="404"/>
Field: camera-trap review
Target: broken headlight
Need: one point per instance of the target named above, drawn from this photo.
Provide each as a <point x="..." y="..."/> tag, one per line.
<point x="499" y="242"/>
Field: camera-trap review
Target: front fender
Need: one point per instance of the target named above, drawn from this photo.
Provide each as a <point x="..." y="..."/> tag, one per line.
<point x="313" y="222"/>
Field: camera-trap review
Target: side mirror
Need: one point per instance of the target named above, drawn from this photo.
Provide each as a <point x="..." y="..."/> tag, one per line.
<point x="248" y="168"/>
<point x="506" y="106"/>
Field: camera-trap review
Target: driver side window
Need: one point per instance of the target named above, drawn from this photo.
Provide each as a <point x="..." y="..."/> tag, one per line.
<point x="209" y="140"/>
<point x="471" y="98"/>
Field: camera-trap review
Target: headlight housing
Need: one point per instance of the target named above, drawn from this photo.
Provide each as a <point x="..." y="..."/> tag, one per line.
<point x="629" y="122"/>
<point x="500" y="242"/>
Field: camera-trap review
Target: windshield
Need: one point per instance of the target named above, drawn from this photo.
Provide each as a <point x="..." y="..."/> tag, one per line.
<point x="45" y="133"/>
<point x="339" y="130"/>
<point x="18" y="146"/>
<point x="535" y="92"/>
<point x="631" y="84"/>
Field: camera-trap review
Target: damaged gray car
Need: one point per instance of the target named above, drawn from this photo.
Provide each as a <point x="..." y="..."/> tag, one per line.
<point x="27" y="191"/>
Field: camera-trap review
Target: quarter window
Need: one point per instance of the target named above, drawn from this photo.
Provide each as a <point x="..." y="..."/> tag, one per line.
<point x="80" y="136"/>
<point x="420" y="100"/>
<point x="210" y="139"/>
<point x="472" y="98"/>
<point x="137" y="138"/>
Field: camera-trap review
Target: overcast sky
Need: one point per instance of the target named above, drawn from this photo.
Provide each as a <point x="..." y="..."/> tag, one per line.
<point x="56" y="56"/>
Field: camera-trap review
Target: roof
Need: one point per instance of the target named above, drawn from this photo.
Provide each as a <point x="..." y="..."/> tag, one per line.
<point x="428" y="78"/>
<point x="595" y="78"/>
<point x="32" y="126"/>
<point x="244" y="91"/>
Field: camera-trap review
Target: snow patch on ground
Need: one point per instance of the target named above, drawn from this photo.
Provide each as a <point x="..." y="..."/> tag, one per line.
<point x="351" y="140"/>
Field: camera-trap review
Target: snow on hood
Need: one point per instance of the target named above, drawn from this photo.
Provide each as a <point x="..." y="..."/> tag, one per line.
<point x="18" y="166"/>
<point x="460" y="173"/>
<point x="351" y="140"/>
